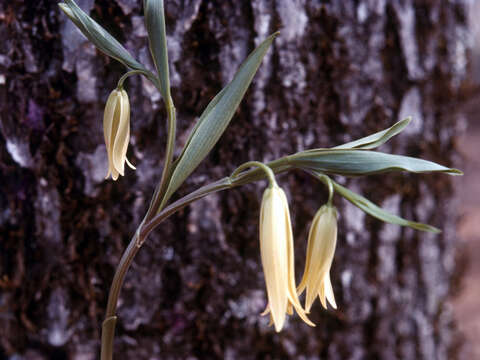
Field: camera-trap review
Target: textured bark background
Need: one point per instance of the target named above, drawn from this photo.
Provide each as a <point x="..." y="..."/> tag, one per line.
<point x="339" y="70"/>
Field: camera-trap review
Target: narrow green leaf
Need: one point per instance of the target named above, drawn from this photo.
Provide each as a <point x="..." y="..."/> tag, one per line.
<point x="216" y="117"/>
<point x="207" y="110"/>
<point x="157" y="38"/>
<point x="379" y="213"/>
<point x="363" y="162"/>
<point x="99" y="36"/>
<point x="377" y="139"/>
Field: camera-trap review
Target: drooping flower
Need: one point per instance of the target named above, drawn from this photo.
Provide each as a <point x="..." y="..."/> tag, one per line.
<point x="322" y="240"/>
<point x="276" y="247"/>
<point x="116" y="131"/>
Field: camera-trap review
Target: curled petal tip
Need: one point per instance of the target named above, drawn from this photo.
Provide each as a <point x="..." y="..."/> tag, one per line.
<point x="130" y="164"/>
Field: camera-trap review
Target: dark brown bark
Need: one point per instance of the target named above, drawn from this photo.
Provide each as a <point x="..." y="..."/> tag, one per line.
<point x="339" y="70"/>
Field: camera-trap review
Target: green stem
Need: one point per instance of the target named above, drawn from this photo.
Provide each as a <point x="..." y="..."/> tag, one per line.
<point x="147" y="74"/>
<point x="147" y="226"/>
<point x="108" y="327"/>
<point x="328" y="182"/>
<point x="158" y="197"/>
<point x="156" y="203"/>
<point x="268" y="171"/>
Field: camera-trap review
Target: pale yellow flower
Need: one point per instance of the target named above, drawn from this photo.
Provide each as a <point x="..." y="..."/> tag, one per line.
<point x="116" y="131"/>
<point x="276" y="247"/>
<point x="322" y="240"/>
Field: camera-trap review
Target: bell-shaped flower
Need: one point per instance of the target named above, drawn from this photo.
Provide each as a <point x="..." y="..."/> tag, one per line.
<point x="116" y="131"/>
<point x="322" y="240"/>
<point x="276" y="247"/>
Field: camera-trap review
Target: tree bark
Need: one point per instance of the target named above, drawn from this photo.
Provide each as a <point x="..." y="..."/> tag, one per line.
<point x="338" y="71"/>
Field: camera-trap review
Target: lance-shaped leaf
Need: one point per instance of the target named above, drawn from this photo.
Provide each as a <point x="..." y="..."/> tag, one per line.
<point x="377" y="139"/>
<point x="99" y="36"/>
<point x="216" y="117"/>
<point x="157" y="38"/>
<point x="363" y="162"/>
<point x="379" y="213"/>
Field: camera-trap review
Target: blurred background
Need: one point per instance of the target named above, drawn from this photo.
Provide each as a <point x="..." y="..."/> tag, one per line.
<point x="338" y="71"/>
<point x="466" y="303"/>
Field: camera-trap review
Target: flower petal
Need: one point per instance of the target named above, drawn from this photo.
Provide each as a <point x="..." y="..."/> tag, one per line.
<point x="307" y="272"/>
<point x="321" y="295"/>
<point x="322" y="240"/>
<point x="108" y="117"/>
<point x="329" y="290"/>
<point x="122" y="136"/>
<point x="130" y="164"/>
<point x="273" y="249"/>
<point x="292" y="292"/>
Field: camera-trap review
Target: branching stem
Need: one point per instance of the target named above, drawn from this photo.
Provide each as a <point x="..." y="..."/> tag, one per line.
<point x="238" y="178"/>
<point x="108" y="327"/>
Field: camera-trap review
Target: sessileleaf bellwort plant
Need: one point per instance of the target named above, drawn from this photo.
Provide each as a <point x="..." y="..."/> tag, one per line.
<point x="356" y="158"/>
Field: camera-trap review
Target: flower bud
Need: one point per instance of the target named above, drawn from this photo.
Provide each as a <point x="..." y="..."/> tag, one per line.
<point x="276" y="247"/>
<point x="322" y="240"/>
<point x="116" y="131"/>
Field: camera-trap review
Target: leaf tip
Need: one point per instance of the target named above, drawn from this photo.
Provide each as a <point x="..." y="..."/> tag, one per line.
<point x="273" y="35"/>
<point x="64" y="7"/>
<point x="455" y="172"/>
<point x="408" y="119"/>
<point x="424" y="227"/>
<point x="432" y="229"/>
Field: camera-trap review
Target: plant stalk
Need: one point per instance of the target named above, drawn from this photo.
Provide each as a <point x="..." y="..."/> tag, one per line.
<point x="108" y="327"/>
<point x="156" y="204"/>
<point x="148" y="225"/>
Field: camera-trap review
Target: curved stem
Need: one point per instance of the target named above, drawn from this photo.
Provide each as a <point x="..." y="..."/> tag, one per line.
<point x="268" y="171"/>
<point x="108" y="327"/>
<point x="156" y="203"/>
<point x="328" y="182"/>
<point x="147" y="74"/>
<point x="216" y="186"/>
<point x="147" y="226"/>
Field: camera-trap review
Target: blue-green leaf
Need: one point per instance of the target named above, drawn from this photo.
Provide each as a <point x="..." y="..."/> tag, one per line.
<point x="216" y="117"/>
<point x="363" y="162"/>
<point x="377" y="139"/>
<point x="379" y="213"/>
<point x="157" y="38"/>
<point x="99" y="36"/>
